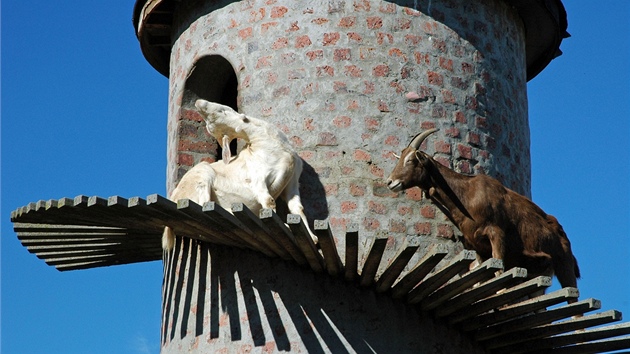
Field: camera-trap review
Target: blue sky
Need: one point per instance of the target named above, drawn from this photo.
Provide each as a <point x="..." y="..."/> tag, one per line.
<point x="84" y="113"/>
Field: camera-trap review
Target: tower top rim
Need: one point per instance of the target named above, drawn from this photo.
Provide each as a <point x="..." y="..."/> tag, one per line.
<point x="545" y="23"/>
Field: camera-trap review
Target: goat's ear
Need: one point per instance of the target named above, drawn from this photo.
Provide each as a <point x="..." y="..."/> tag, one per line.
<point x="422" y="157"/>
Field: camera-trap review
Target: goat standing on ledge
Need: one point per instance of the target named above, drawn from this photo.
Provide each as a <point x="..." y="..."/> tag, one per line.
<point x="496" y="222"/>
<point x="266" y="168"/>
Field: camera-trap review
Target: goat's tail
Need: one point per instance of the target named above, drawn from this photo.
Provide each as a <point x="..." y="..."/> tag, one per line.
<point x="576" y="269"/>
<point x="168" y="239"/>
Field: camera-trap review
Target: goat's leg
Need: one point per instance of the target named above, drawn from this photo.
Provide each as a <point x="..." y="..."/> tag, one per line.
<point x="497" y="241"/>
<point x="564" y="266"/>
<point x="496" y="236"/>
<point x="564" y="263"/>
<point x="263" y="197"/>
<point x="261" y="192"/>
<point x="291" y="194"/>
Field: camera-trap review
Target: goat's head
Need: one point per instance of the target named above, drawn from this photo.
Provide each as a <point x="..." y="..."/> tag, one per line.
<point x="412" y="167"/>
<point x="222" y="121"/>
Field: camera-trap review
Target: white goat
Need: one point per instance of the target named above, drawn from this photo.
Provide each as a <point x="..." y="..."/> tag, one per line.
<point x="266" y="168"/>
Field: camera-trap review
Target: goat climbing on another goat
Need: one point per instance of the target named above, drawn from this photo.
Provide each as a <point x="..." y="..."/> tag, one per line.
<point x="266" y="168"/>
<point x="495" y="221"/>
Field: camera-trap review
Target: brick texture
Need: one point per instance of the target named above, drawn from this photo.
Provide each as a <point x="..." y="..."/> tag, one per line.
<point x="335" y="78"/>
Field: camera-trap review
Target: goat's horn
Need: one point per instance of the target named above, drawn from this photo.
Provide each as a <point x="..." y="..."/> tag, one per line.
<point x="418" y="139"/>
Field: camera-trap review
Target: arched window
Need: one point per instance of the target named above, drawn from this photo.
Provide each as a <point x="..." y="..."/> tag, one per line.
<point x="212" y="78"/>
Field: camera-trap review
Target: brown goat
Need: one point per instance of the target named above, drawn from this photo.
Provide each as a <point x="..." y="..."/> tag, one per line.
<point x="495" y="221"/>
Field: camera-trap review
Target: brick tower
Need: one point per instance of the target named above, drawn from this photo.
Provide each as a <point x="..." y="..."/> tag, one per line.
<point x="349" y="82"/>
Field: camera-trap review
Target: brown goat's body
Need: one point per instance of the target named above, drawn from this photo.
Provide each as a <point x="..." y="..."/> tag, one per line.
<point x="495" y="221"/>
<point x="499" y="223"/>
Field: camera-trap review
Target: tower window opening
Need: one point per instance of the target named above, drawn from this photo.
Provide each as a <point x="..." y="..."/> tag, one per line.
<point x="212" y="78"/>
